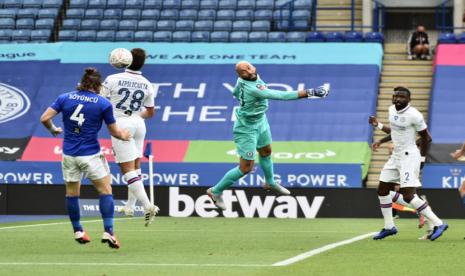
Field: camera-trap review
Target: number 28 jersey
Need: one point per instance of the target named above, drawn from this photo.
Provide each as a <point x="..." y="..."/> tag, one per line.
<point x="128" y="92"/>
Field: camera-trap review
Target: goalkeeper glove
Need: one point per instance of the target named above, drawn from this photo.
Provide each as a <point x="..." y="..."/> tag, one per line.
<point x="319" y="92"/>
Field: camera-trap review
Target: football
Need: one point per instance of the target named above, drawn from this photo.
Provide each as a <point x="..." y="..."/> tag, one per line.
<point x="120" y="58"/>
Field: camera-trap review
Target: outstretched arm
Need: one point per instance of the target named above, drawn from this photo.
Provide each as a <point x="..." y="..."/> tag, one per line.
<point x="372" y="120"/>
<point x="319" y="92"/>
<point x="377" y="144"/>
<point x="46" y="120"/>
<point x="458" y="153"/>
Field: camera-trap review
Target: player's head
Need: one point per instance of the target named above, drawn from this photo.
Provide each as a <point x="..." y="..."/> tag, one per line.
<point x="401" y="97"/>
<point x="246" y="71"/>
<point x="90" y="81"/>
<point x="138" y="59"/>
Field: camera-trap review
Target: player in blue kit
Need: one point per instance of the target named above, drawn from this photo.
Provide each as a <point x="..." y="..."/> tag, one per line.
<point x="83" y="113"/>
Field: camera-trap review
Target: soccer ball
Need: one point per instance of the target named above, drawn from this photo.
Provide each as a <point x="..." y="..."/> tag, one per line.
<point x="120" y="58"/>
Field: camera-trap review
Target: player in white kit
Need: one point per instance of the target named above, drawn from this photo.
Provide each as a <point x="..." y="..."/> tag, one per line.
<point x="403" y="167"/>
<point x="132" y="98"/>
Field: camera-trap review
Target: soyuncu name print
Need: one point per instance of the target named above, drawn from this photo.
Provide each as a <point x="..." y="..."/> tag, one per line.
<point x="13" y="103"/>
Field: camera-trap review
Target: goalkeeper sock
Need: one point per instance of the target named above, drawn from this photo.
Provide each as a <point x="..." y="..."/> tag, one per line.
<point x="267" y="166"/>
<point x="107" y="209"/>
<point x="74" y="213"/>
<point x="136" y="187"/>
<point x="227" y="181"/>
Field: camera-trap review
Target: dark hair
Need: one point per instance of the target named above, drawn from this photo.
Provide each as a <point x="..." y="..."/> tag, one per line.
<point x="402" y="89"/>
<point x="91" y="80"/>
<point x="138" y="59"/>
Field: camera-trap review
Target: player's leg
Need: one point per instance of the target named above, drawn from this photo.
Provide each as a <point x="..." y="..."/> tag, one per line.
<point x="130" y="205"/>
<point x="398" y="203"/>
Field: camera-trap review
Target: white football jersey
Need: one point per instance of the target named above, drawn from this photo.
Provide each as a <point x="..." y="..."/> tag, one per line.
<point x="128" y="93"/>
<point x="404" y="127"/>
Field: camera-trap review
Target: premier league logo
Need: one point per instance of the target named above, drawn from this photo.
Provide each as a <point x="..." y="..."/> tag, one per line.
<point x="13" y="103"/>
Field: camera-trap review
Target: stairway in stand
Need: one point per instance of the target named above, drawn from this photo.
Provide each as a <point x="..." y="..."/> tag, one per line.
<point x="335" y="15"/>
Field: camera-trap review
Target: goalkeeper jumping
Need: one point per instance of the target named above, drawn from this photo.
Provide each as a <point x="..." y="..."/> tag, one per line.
<point x="251" y="129"/>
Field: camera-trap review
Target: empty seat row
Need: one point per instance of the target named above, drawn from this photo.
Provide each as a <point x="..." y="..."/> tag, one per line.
<point x="165" y="25"/>
<point x="27" y="23"/>
<point x="451" y="38"/>
<point x="29" y="13"/>
<point x="31" y="3"/>
<point x="25" y="35"/>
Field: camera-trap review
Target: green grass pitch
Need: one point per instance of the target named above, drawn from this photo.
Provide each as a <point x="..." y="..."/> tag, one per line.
<point x="218" y="246"/>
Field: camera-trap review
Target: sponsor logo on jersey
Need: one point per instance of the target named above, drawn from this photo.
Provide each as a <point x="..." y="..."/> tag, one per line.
<point x="261" y="87"/>
<point x="13" y="103"/>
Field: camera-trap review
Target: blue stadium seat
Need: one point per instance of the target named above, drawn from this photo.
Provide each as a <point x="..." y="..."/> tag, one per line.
<point x="295" y="37"/>
<point x="131" y="14"/>
<point x="112" y="14"/>
<point x="67" y="35"/>
<point x="334" y="37"/>
<point x="152" y="4"/>
<point x="282" y="25"/>
<point x="315" y="37"/>
<point x="124" y="36"/>
<point x="445" y="38"/>
<point x="134" y="4"/>
<point x="227" y="5"/>
<point x="301" y="14"/>
<point x="242" y="26"/>
<point x="276" y="37"/>
<point x="219" y="37"/>
<point x="184" y="25"/>
<point x="96" y="4"/>
<point x="246" y="4"/>
<point x="264" y="5"/>
<point x="244" y="15"/>
<point x="71" y="24"/>
<point x="78" y="4"/>
<point x="48" y="13"/>
<point x="261" y="25"/>
<point x="188" y="14"/>
<point x="143" y="36"/>
<point x="109" y="25"/>
<point x="32" y="4"/>
<point x="12" y="4"/>
<point x="209" y="4"/>
<point x="21" y="35"/>
<point x="114" y="4"/>
<point x="181" y="36"/>
<point x="225" y="15"/>
<point x="263" y="15"/>
<point x="222" y="25"/>
<point x="204" y="25"/>
<point x="52" y="3"/>
<point x="300" y="25"/>
<point x="8" y="13"/>
<point x="87" y="35"/>
<point x="75" y="14"/>
<point x="166" y="25"/>
<point x="206" y="15"/>
<point x="40" y="35"/>
<point x="302" y="4"/>
<point x="162" y="36"/>
<point x="258" y="36"/>
<point x="171" y="14"/>
<point x="200" y="36"/>
<point x="353" y="37"/>
<point x="45" y="23"/>
<point x="374" y="37"/>
<point x="5" y="34"/>
<point x="147" y="25"/>
<point x="171" y="4"/>
<point x="7" y="23"/>
<point x="127" y="25"/>
<point x="90" y="24"/>
<point x="27" y="13"/>
<point x="105" y="36"/>
<point x="150" y="14"/>
<point x="281" y="15"/>
<point x="461" y="38"/>
<point x="190" y="4"/>
<point x="239" y="37"/>
<point x="25" y="24"/>
<point x="94" y="14"/>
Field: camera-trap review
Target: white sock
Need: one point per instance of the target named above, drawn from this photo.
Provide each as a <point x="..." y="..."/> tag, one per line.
<point x="136" y="187"/>
<point x="399" y="198"/>
<point x="422" y="207"/>
<point x="386" y="210"/>
<point x="131" y="203"/>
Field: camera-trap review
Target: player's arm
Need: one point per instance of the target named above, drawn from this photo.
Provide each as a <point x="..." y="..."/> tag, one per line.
<point x="383" y="140"/>
<point x="148" y="112"/>
<point x="425" y="140"/>
<point x="46" y="120"/>
<point x="118" y="132"/>
<point x="372" y="120"/>
<point x="458" y="153"/>
<point x="149" y="104"/>
<point x="319" y="92"/>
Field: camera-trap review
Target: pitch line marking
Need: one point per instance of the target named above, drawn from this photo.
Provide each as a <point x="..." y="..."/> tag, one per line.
<point x="54" y="223"/>
<point x="322" y="249"/>
<point x="128" y="264"/>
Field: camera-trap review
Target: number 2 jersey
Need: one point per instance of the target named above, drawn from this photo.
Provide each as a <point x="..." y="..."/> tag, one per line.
<point x="83" y="113"/>
<point x="128" y="92"/>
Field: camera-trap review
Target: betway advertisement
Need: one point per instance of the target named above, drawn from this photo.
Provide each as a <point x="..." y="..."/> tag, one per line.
<point x="316" y="143"/>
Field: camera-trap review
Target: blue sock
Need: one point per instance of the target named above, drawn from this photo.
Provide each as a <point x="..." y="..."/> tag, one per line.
<point x="107" y="209"/>
<point x="72" y="204"/>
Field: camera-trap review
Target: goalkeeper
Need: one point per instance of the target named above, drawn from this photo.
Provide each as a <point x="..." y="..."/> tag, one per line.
<point x="251" y="129"/>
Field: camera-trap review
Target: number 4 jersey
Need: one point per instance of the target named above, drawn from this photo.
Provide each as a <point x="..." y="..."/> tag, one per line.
<point x="128" y="92"/>
<point x="83" y="113"/>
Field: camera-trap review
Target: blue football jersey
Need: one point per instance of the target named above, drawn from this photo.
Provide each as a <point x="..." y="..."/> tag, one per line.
<point x="83" y="113"/>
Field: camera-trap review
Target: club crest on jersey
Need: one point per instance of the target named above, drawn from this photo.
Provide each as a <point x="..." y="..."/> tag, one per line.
<point x="13" y="103"/>
<point x="261" y="87"/>
<point x="396" y="117"/>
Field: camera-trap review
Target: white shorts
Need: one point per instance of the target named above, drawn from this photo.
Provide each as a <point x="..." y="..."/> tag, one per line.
<point x="126" y="151"/>
<point x="93" y="167"/>
<point x="403" y="170"/>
